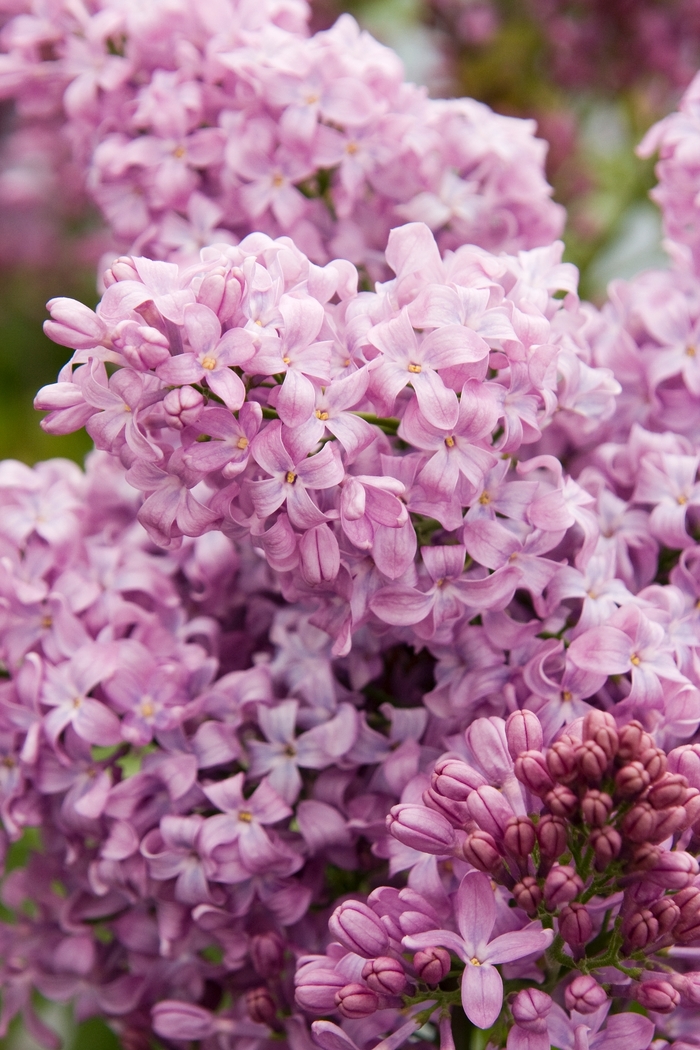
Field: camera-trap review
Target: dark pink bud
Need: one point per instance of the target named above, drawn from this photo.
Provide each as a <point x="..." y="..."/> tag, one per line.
<point x="528" y="895"/>
<point x="644" y="857"/>
<point x="561" y="886"/>
<point x="422" y="829"/>
<point x="632" y="740"/>
<point x="584" y="995"/>
<point x="561" y="762"/>
<point x="600" y="726"/>
<point x="519" y="836"/>
<point x="669" y="790"/>
<point x="490" y="810"/>
<point x="561" y="801"/>
<point x="657" y="995"/>
<point x="575" y="924"/>
<point x="674" y="869"/>
<point x="551" y="835"/>
<point x="631" y="780"/>
<point x="639" y="823"/>
<point x="691" y="805"/>
<point x="523" y="733"/>
<point x="591" y="760"/>
<point x="385" y="976"/>
<point x="432" y="965"/>
<point x="267" y="953"/>
<point x="356" y="1000"/>
<point x="640" y="929"/>
<point x="606" y="843"/>
<point x="667" y="913"/>
<point x="688" y="901"/>
<point x="668" y="821"/>
<point x="456" y="812"/>
<point x="183" y="406"/>
<point x="531" y="770"/>
<point x="260" y="1006"/>
<point x="359" y="929"/>
<point x="530" y="1008"/>
<point x="596" y="807"/>
<point x="654" y="761"/>
<point x="481" y="851"/>
<point x="455" y="779"/>
<point x="690" y="989"/>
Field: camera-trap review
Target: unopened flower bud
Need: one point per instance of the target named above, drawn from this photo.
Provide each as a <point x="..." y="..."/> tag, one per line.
<point x="456" y="812"/>
<point x="657" y="995"/>
<point x="356" y="1000"/>
<point x="519" y="836"/>
<point x="644" y="857"/>
<point x="267" y="953"/>
<point x="183" y="406"/>
<point x="667" y="913"/>
<point x="490" y="810"/>
<point x="606" y="843"/>
<point x="690" y="987"/>
<point x="669" y="790"/>
<point x="632" y="740"/>
<point x="562" y="885"/>
<point x="596" y="807"/>
<point x="638" y="824"/>
<point x="260" y="1006"/>
<point x="691" y="805"/>
<point x="551" y="835"/>
<point x="528" y="895"/>
<point x="530" y="1008"/>
<point x="359" y="929"/>
<point x="631" y="780"/>
<point x="432" y="965"/>
<point x="480" y="850"/>
<point x="654" y="761"/>
<point x="422" y="829"/>
<point x="584" y="995"/>
<point x="531" y="770"/>
<point x="674" y="869"/>
<point x="455" y="779"/>
<point x="600" y="726"/>
<point x="591" y="760"/>
<point x="385" y="976"/>
<point x="575" y="924"/>
<point x="668" y="821"/>
<point x="523" y="733"/>
<point x="561" y="801"/>
<point x="561" y="762"/>
<point x="640" y="929"/>
<point x="688" y="901"/>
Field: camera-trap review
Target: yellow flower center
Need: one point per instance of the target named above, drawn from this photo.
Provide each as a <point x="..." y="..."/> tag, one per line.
<point x="484" y="499"/>
<point x="450" y="442"/>
<point x="475" y="961"/>
<point x="636" y="660"/>
<point x="277" y="181"/>
<point x="246" y="816"/>
<point x="320" y="414"/>
<point x="242" y="443"/>
<point x="414" y="368"/>
<point x="351" y="148"/>
<point x="690" y="351"/>
<point x="209" y="363"/>
<point x="290" y="478"/>
<point x="147" y="709"/>
<point x="566" y="695"/>
<point x="179" y="152"/>
<point x="682" y="500"/>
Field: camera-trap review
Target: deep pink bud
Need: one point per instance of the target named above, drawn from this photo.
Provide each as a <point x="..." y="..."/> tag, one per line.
<point x="690" y="989"/>
<point x="600" y="727"/>
<point x="639" y="823"/>
<point x="691" y="805"/>
<point x="575" y="924"/>
<point x="584" y="995"/>
<point x="631" y="780"/>
<point x="596" y="807"/>
<point x="669" y="790"/>
<point x="183" y="407"/>
<point x="674" y="869"/>
<point x="530" y="1008"/>
<point x="356" y="1000"/>
<point x="319" y="555"/>
<point x="561" y="801"/>
<point x="606" y="843"/>
<point x="561" y="886"/>
<point x="456" y="812"/>
<point x="654" y="761"/>
<point x="422" y="829"/>
<point x="657" y="995"/>
<point x="267" y="953"/>
<point x="531" y="770"/>
<point x="632" y="740"/>
<point x="490" y="810"/>
<point x="260" y="1006"/>
<point x="688" y="901"/>
<point x="640" y="929"/>
<point x="561" y="762"/>
<point x="455" y="779"/>
<point x="523" y="733"/>
<point x="359" y="929"/>
<point x="551" y="835"/>
<point x="432" y="965"/>
<point x="385" y="976"/>
<point x="667" y="914"/>
<point x="519" y="836"/>
<point x="528" y="895"/>
<point x="668" y="821"/>
<point x="481" y="851"/>
<point x="591" y="760"/>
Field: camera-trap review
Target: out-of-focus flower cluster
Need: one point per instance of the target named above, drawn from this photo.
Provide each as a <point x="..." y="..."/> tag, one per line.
<point x="200" y="124"/>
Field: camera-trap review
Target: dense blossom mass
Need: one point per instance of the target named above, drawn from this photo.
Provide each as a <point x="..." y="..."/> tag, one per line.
<point x="350" y="695"/>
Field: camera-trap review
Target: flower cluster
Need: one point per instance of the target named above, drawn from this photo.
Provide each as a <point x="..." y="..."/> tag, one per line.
<point x="197" y="126"/>
<point x="573" y="868"/>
